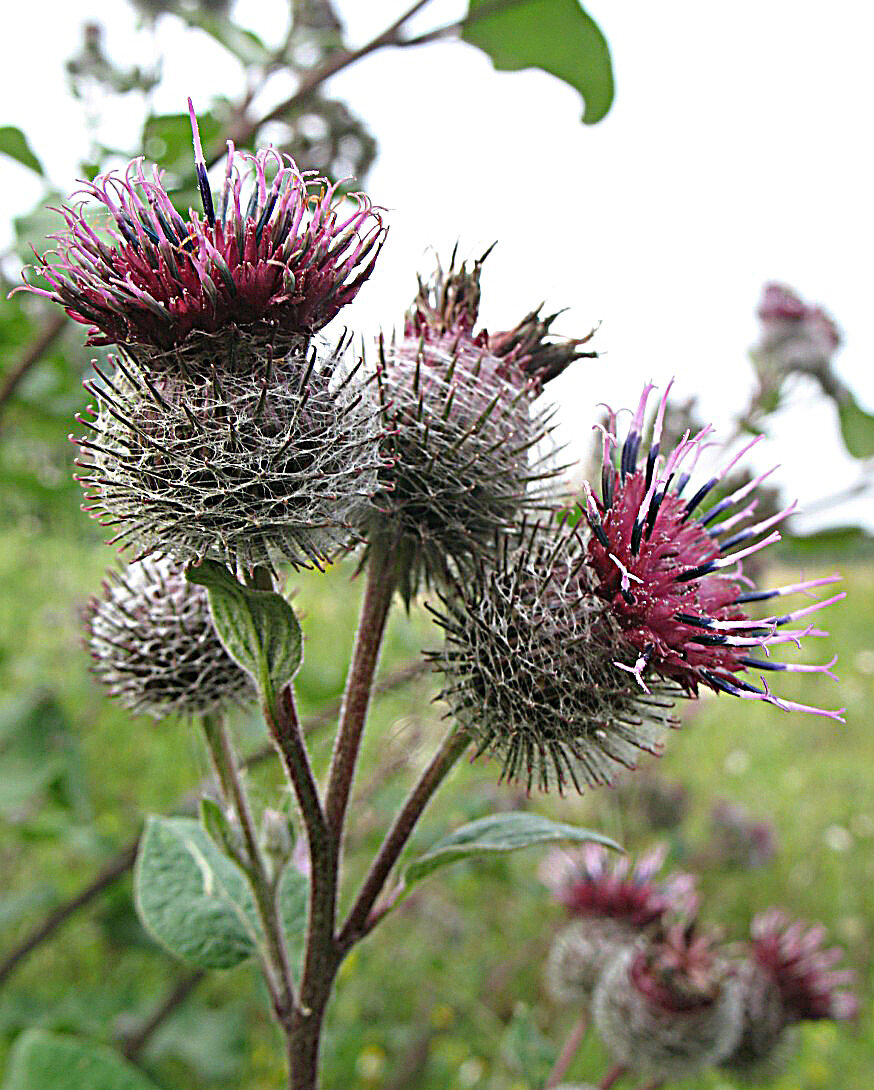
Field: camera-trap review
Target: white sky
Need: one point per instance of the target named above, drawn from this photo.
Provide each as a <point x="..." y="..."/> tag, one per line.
<point x="737" y="151"/>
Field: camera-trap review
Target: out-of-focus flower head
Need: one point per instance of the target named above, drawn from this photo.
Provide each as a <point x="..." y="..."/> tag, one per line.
<point x="738" y="839"/>
<point x="154" y="647"/>
<point x="589" y="882"/>
<point x="275" y="263"/>
<point x="469" y="453"/>
<point x="794" y="956"/>
<point x="804" y="337"/>
<point x="668" y="1007"/>
<point x="670" y="569"/>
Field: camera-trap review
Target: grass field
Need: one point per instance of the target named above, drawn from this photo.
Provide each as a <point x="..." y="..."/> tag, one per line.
<point x="448" y="994"/>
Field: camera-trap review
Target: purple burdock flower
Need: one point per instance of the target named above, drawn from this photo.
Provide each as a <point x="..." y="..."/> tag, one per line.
<point x="794" y="956"/>
<point x="670" y="569"/>
<point x="529" y="666"/>
<point x="787" y="977"/>
<point x="276" y="263"/>
<point x="612" y="904"/>
<point x="468" y="451"/>
<point x="668" y="1007"/>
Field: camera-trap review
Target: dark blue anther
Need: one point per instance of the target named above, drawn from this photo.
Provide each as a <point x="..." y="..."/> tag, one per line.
<point x="698" y="497"/>
<point x="760" y="664"/>
<point x="205" y="194"/>
<point x="265" y="216"/>
<point x="755" y="596"/>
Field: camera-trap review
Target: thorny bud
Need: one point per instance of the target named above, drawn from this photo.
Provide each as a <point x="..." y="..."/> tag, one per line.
<point x="469" y="448"/>
<point x="154" y="646"/>
<point x="668" y="1007"/>
<point x="794" y="334"/>
<point x="246" y="469"/>
<point x="614" y="904"/>
<point x="670" y="570"/>
<point x="529" y="662"/>
<point x="257" y="269"/>
<point x="277" y="837"/>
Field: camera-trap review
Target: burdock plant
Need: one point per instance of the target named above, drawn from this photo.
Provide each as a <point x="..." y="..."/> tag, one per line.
<point x="229" y="440"/>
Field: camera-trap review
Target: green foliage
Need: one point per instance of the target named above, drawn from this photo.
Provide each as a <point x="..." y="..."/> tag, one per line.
<point x="555" y="35"/>
<point x="41" y="1060"/>
<point x="197" y="903"/>
<point x="14" y="143"/>
<point x="857" y="427"/>
<point x="257" y="627"/>
<point x="496" y="834"/>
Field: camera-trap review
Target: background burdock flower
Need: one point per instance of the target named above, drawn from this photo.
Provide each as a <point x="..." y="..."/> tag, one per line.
<point x="247" y="469"/>
<point x="668" y="1007"/>
<point x="737" y="839"/>
<point x="787" y="977"/>
<point x="269" y="265"/>
<point x="798" y="335"/>
<point x="154" y="647"/>
<point x="468" y="450"/>
<point x="614" y="903"/>
<point x="528" y="659"/>
<point x="671" y="571"/>
<point x="794" y="956"/>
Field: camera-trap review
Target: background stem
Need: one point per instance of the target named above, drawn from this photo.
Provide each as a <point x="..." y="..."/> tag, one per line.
<point x="571" y="1048"/>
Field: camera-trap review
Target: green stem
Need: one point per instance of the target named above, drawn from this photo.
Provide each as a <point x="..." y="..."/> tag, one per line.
<point x="277" y="970"/>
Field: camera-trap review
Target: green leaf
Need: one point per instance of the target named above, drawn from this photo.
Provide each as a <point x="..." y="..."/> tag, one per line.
<point x="830" y="546"/>
<point x="14" y="143"/>
<point x="554" y="35"/>
<point x="524" y="1048"/>
<point x="496" y="834"/>
<point x="857" y="428"/>
<point x="191" y="898"/>
<point x="40" y="1060"/>
<point x="257" y="627"/>
<point x="245" y="44"/>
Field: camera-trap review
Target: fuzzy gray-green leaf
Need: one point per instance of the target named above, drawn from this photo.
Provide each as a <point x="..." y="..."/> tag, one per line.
<point x="496" y="834"/>
<point x="191" y="898"/>
<point x="40" y="1060"/>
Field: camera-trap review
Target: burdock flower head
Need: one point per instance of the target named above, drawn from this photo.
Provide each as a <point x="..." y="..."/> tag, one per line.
<point x="613" y="904"/>
<point x="669" y="569"/>
<point x="668" y="1007"/>
<point x="227" y="429"/>
<point x="797" y="335"/>
<point x="787" y="977"/>
<point x="468" y="447"/>
<point x="269" y="263"/>
<point x="529" y="663"/>
<point x="154" y="646"/>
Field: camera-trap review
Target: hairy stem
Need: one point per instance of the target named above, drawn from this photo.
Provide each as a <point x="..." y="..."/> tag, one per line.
<point x="277" y="970"/>
<point x="571" y="1048"/>
<point x="32" y="354"/>
<point x="378" y="593"/>
<point x="362" y="917"/>
<point x="612" y="1077"/>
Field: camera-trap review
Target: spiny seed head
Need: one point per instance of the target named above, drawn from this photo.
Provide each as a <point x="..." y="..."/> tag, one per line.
<point x="278" y="257"/>
<point x="670" y="572"/>
<point x="593" y="883"/>
<point x="468" y="444"/>
<point x="796" y="959"/>
<point x="529" y="664"/>
<point x="244" y="468"/>
<point x="154" y="647"/>
<point x="579" y="954"/>
<point x="765" y="1041"/>
<point x="668" y="1007"/>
